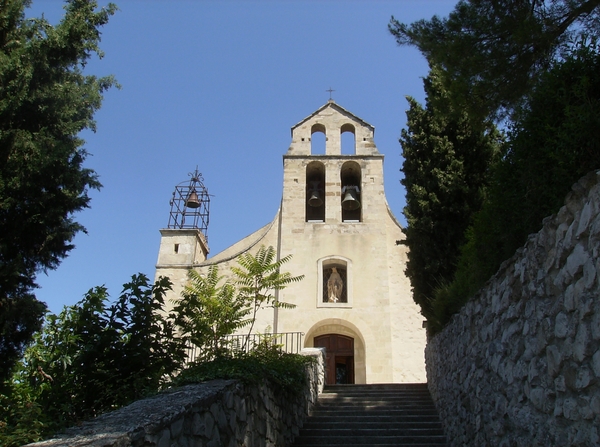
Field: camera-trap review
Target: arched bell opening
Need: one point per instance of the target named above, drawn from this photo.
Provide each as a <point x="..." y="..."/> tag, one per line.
<point x="351" y="192"/>
<point x="315" y="192"/>
<point x="318" y="139"/>
<point x="348" y="139"/>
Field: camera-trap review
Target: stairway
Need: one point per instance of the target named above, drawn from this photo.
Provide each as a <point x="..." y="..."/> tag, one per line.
<point x="401" y="414"/>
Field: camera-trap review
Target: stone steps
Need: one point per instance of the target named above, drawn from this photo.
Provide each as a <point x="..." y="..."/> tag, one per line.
<point x="373" y="415"/>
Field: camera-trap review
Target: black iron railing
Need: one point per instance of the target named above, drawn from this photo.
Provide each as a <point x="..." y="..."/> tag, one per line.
<point x="290" y="342"/>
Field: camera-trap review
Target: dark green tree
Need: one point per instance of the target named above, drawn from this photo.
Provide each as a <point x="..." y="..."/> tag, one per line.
<point x="553" y="141"/>
<point x="45" y="102"/>
<point x="492" y="52"/>
<point x="446" y="158"/>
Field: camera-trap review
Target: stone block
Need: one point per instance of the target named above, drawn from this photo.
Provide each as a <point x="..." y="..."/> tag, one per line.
<point x="164" y="439"/>
<point x="585" y="410"/>
<point x="198" y="426"/>
<point x="586" y="215"/>
<point x="561" y="325"/>
<point x="570" y="409"/>
<point x="595" y="404"/>
<point x="576" y="260"/>
<point x="514" y="328"/>
<point x="596" y="322"/>
<point x="570" y="374"/>
<point x="583" y="378"/>
<point x="553" y="360"/>
<point x="222" y="421"/>
<point x="209" y="424"/>
<point x="214" y="442"/>
<point x="581" y="343"/>
<point x="589" y="274"/>
<point x="594" y="437"/>
<point x="233" y="421"/>
<point x="569" y="298"/>
<point x="596" y="363"/>
<point x="559" y="384"/>
<point x="558" y="407"/>
<point x="228" y="399"/>
<point x="177" y="427"/>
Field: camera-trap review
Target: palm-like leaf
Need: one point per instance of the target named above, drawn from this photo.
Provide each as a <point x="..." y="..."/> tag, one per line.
<point x="258" y="277"/>
<point x="207" y="311"/>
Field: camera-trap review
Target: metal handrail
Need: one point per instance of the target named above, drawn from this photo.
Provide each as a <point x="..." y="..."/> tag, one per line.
<point x="289" y="342"/>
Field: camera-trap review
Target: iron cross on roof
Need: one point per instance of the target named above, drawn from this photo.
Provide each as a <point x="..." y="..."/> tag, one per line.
<point x="330" y="92"/>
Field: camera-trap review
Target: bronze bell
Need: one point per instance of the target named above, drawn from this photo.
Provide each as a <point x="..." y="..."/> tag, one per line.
<point x="315" y="198"/>
<point x="350" y="201"/>
<point x="315" y="194"/>
<point x="192" y="200"/>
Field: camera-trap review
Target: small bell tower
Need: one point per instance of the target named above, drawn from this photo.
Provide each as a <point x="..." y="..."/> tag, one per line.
<point x="184" y="243"/>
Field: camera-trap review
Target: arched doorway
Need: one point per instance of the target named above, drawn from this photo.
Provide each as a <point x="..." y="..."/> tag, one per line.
<point x="339" y="360"/>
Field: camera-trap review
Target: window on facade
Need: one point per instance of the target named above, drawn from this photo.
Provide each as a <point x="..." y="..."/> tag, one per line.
<point x="351" y="195"/>
<point x="348" y="139"/>
<point x="315" y="192"/>
<point x="318" y="139"/>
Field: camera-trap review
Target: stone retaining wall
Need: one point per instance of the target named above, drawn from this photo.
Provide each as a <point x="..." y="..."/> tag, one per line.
<point x="520" y="364"/>
<point x="211" y="414"/>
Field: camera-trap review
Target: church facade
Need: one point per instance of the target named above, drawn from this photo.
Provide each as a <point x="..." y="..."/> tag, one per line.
<point x="334" y="220"/>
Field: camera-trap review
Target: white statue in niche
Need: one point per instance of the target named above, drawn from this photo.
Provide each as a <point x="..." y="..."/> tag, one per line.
<point x="335" y="286"/>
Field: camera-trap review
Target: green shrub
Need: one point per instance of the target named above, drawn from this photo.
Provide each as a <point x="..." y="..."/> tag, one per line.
<point x="92" y="358"/>
<point x="287" y="371"/>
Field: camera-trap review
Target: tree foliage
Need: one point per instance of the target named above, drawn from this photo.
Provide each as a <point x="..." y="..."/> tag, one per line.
<point x="553" y="141"/>
<point x="45" y="102"/>
<point x="445" y="163"/>
<point x="492" y="52"/>
<point x="207" y="312"/>
<point x="259" y="278"/>
<point x="523" y="62"/>
<point x="96" y="356"/>
<point x="91" y="358"/>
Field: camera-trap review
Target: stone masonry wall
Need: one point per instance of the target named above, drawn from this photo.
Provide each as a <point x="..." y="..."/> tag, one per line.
<point x="520" y="364"/>
<point x="212" y="414"/>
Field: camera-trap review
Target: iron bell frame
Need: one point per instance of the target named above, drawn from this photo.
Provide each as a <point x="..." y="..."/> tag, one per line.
<point x="190" y="214"/>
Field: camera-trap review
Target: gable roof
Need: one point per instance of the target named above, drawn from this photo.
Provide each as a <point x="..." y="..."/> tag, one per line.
<point x="332" y="104"/>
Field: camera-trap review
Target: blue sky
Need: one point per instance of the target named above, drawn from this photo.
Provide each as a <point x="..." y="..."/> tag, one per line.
<point x="218" y="85"/>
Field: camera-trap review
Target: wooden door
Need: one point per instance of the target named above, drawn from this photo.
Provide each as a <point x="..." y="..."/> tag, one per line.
<point x="339" y="359"/>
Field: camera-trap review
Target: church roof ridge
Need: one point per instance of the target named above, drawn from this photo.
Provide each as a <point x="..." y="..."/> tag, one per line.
<point x="333" y="104"/>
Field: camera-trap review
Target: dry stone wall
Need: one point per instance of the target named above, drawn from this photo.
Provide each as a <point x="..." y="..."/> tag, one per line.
<point x="212" y="414"/>
<point x="520" y="364"/>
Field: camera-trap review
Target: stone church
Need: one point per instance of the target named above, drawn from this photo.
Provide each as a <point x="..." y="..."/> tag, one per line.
<point x="334" y="220"/>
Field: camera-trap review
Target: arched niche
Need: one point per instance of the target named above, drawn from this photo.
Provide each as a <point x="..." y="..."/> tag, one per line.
<point x="315" y="192"/>
<point x="318" y="139"/>
<point x="351" y="197"/>
<point x="348" y="139"/>
<point x="331" y="269"/>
